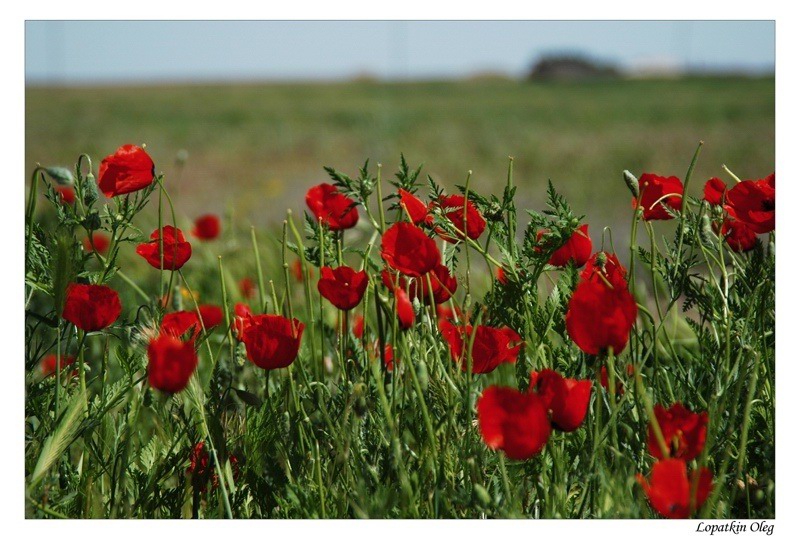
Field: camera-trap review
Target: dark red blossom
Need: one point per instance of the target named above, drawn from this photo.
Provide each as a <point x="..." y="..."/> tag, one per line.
<point x="129" y="169"/>
<point x="212" y="315"/>
<point x="453" y="209"/>
<point x="343" y="287"/>
<point x="272" y="341"/>
<point x="576" y="250"/>
<point x="66" y="194"/>
<point x="332" y="207"/>
<point x="242" y="315"/>
<point x="513" y="422"/>
<point x="181" y="323"/>
<point x="99" y="243"/>
<point x="442" y="285"/>
<point x="405" y="310"/>
<point x="739" y="236"/>
<point x="206" y="227"/>
<point x="566" y="400"/>
<point x="491" y="346"/>
<point x="202" y="470"/>
<point x="171" y="363"/>
<point x="657" y="193"/>
<point x="247" y="287"/>
<point x="416" y="209"/>
<point x="406" y="248"/>
<point x="176" y="249"/>
<point x="684" y="432"/>
<point x="601" y="311"/>
<point x="714" y="191"/>
<point x="753" y="202"/>
<point x="91" y="307"/>
<point x="358" y="326"/>
<point x="501" y="276"/>
<point x="48" y="364"/>
<point x="669" y="488"/>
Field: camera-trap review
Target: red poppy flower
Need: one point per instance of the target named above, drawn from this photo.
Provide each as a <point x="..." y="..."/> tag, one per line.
<point x="334" y="208"/>
<point x="297" y="270"/>
<point x="358" y="327"/>
<point x="128" y="170"/>
<point x="491" y="347"/>
<point x="501" y="276"/>
<point x="739" y="236"/>
<point x="453" y="209"/>
<point x="714" y="191"/>
<point x="99" y="243"/>
<point x="601" y="311"/>
<point x="171" y="363"/>
<point x="670" y="488"/>
<point x="443" y="286"/>
<point x="181" y="323"/>
<point x="66" y="194"/>
<point x="684" y="432"/>
<point x="416" y="209"/>
<point x="343" y="287"/>
<point x="242" y="315"/>
<point x="176" y="250"/>
<point x="91" y="307"/>
<point x="576" y="250"/>
<point x="658" y="192"/>
<point x="406" y="248"/>
<point x="566" y="400"/>
<point x="513" y="422"/>
<point x="391" y="280"/>
<point x="247" y="287"/>
<point x="753" y="202"/>
<point x="200" y="468"/>
<point x="272" y="341"/>
<point x="607" y="265"/>
<point x="212" y="315"/>
<point x="48" y="364"/>
<point x="405" y="311"/>
<point x="206" y="227"/>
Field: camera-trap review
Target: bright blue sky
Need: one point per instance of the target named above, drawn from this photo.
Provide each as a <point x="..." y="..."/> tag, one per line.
<point x="119" y="52"/>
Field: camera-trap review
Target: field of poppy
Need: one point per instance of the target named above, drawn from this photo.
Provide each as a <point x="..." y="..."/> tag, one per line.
<point x="368" y="367"/>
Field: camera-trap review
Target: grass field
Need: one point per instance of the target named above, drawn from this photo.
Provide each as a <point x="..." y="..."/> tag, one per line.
<point x="257" y="148"/>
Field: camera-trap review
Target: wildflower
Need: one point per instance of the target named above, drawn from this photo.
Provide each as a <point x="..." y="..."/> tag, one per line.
<point x="212" y="315"/>
<point x="247" y="287"/>
<point x="66" y="194"/>
<point x="501" y="276"/>
<point x="566" y="400"/>
<point x="297" y="270"/>
<point x="513" y="422"/>
<point x="753" y="202"/>
<point x="201" y="471"/>
<point x="171" y="363"/>
<point x="91" y="307"/>
<point x="206" y="227"/>
<point x="343" y="287"/>
<point x="176" y="249"/>
<point x="601" y="311"/>
<point x="129" y="169"/>
<point x="576" y="250"/>
<point x="358" y="326"/>
<point x="242" y="315"/>
<point x="657" y="193"/>
<point x="684" y="432"/>
<point x="739" y="235"/>
<point x="416" y="209"/>
<point x="714" y="191"/>
<point x="272" y="341"/>
<point x="99" y="243"/>
<point x="453" y="209"/>
<point x="491" y="347"/>
<point x="48" y="364"/>
<point x="181" y="323"/>
<point x="669" y="488"/>
<point x="407" y="249"/>
<point x="405" y="311"/>
<point x="332" y="207"/>
<point x="442" y="285"/>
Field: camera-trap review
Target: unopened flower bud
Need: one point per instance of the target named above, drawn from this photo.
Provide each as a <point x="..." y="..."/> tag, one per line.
<point x="60" y="175"/>
<point x="90" y="189"/>
<point x="706" y="231"/>
<point x="632" y="182"/>
<point x="92" y="221"/>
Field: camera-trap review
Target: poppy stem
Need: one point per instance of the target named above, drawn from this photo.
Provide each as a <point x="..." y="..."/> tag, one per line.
<point x="380" y="200"/>
<point x="261" y="289"/>
<point x="306" y="286"/>
<point x="612" y="390"/>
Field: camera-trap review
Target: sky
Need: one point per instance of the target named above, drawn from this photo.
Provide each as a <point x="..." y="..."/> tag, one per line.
<point x="124" y="52"/>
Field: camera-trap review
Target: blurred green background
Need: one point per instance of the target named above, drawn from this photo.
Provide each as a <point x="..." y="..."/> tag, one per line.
<point x="255" y="149"/>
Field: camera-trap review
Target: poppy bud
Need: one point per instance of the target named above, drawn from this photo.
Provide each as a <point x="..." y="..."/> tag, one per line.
<point x="632" y="182"/>
<point x="706" y="232"/>
<point x="60" y="175"/>
<point x="92" y="221"/>
<point x="482" y="495"/>
<point x="90" y="193"/>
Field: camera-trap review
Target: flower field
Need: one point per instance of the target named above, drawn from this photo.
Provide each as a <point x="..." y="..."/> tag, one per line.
<point x="394" y="350"/>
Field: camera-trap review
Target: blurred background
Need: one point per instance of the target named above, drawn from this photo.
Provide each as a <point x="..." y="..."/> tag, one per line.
<point x="261" y="107"/>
